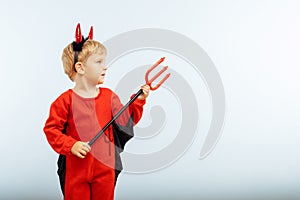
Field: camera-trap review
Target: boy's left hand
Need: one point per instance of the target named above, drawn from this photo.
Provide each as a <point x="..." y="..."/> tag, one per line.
<point x="146" y="90"/>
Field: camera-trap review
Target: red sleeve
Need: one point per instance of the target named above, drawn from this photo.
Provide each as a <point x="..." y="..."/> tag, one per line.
<point x="55" y="126"/>
<point x="136" y="108"/>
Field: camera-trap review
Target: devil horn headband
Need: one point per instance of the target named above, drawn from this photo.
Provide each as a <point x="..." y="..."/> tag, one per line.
<point x="91" y="33"/>
<point x="79" y="41"/>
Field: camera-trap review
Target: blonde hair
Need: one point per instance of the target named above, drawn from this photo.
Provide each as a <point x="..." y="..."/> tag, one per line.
<point x="89" y="47"/>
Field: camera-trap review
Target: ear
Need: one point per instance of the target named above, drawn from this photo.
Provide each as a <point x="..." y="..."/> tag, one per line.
<point x="79" y="68"/>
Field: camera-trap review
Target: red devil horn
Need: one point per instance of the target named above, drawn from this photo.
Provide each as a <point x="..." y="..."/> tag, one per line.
<point x="78" y="35"/>
<point x="91" y="34"/>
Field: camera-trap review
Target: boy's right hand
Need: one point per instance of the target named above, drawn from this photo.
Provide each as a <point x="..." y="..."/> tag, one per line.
<point x="80" y="149"/>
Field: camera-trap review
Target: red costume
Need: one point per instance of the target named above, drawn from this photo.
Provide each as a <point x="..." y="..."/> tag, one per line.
<point x="74" y="118"/>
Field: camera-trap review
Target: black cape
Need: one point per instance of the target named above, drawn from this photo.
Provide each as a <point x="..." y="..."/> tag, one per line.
<point x="122" y="134"/>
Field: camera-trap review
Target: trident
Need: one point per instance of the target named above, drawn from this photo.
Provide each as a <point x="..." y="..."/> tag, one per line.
<point x="148" y="82"/>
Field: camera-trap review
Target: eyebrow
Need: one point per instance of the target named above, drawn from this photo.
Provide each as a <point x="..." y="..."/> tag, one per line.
<point x="99" y="58"/>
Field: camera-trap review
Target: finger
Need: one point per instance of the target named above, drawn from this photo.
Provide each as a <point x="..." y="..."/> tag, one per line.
<point x="146" y="87"/>
<point x="145" y="91"/>
<point x="86" y="149"/>
<point x="80" y="155"/>
<point x="83" y="152"/>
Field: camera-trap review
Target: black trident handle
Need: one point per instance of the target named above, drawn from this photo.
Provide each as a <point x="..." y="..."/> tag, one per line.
<point x="115" y="117"/>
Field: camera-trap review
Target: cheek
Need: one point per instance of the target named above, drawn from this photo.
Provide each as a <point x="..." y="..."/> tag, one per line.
<point x="97" y="69"/>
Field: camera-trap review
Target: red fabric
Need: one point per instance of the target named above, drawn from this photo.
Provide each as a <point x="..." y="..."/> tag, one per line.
<point x="81" y="119"/>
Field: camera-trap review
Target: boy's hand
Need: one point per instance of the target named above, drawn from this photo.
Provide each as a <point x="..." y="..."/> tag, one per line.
<point x="145" y="94"/>
<point x="80" y="149"/>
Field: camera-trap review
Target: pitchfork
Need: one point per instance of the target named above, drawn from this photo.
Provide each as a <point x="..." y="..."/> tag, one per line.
<point x="148" y="82"/>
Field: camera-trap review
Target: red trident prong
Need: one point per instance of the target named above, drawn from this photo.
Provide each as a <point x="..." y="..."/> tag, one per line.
<point x="149" y="82"/>
<point x="91" y="34"/>
<point x="78" y="35"/>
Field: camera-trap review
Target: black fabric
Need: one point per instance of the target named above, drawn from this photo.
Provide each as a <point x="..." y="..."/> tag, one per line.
<point x="122" y="134"/>
<point x="61" y="171"/>
<point x="77" y="47"/>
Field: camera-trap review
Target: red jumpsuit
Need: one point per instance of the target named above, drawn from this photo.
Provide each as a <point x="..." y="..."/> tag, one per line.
<point x="73" y="118"/>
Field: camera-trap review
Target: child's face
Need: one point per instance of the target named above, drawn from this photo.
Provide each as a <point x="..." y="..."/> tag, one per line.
<point x="95" y="68"/>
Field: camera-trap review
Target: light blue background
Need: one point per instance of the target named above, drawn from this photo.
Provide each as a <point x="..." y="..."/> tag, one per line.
<point x="255" y="46"/>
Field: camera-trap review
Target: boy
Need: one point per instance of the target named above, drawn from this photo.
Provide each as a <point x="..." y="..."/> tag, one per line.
<point x="78" y="114"/>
